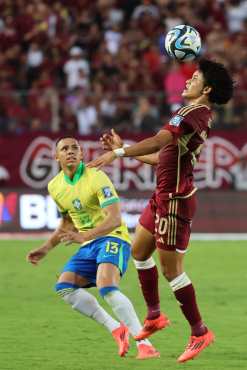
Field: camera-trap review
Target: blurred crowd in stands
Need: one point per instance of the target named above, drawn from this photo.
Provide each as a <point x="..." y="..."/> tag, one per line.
<point x="83" y="66"/>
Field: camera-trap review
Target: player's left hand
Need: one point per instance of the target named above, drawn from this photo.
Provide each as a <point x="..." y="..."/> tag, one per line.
<point x="103" y="160"/>
<point x="111" y="141"/>
<point x="69" y="237"/>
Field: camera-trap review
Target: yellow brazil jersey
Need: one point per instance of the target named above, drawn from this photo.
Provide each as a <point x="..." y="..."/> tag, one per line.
<point x="84" y="198"/>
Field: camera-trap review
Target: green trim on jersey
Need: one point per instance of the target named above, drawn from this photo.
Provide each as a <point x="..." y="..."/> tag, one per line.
<point x="78" y="173"/>
<point x="121" y="260"/>
<point x="108" y="202"/>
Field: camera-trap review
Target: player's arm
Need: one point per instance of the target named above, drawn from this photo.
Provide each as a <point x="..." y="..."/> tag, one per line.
<point x="37" y="254"/>
<point x="146" y="146"/>
<point x="150" y="145"/>
<point x="152" y="159"/>
<point x="111" y="221"/>
<point x="114" y="141"/>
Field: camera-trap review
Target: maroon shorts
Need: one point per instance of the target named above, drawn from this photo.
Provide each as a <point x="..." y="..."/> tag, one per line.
<point x="170" y="221"/>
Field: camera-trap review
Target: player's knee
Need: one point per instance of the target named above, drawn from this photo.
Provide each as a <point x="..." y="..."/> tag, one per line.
<point x="168" y="273"/>
<point x="107" y="290"/>
<point x="64" y="290"/>
<point x="139" y="254"/>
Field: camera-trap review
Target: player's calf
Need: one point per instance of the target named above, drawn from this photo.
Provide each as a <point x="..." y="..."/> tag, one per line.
<point x="148" y="278"/>
<point x="124" y="310"/>
<point x="85" y="303"/>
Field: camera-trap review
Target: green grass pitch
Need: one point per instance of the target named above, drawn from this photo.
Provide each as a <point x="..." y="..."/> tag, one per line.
<point x="38" y="331"/>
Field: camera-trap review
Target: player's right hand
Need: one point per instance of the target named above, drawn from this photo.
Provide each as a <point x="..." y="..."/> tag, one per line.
<point x="111" y="141"/>
<point x="36" y="255"/>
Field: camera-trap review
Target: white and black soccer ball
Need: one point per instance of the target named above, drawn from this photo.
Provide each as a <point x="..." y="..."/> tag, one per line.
<point x="183" y="42"/>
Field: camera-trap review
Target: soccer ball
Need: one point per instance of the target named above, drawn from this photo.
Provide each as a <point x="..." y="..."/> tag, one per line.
<point x="183" y="42"/>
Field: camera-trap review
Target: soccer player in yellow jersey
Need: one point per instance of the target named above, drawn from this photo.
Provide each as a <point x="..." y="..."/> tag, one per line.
<point x="90" y="210"/>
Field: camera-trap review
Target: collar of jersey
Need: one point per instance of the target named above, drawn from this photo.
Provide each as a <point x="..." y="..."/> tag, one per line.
<point x="78" y="173"/>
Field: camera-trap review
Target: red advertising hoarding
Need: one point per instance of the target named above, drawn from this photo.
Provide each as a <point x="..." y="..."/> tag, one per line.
<point x="27" y="165"/>
<point x="27" y="161"/>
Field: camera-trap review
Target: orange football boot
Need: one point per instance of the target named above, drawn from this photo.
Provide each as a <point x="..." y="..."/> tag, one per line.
<point x="151" y="326"/>
<point x="196" y="345"/>
<point x="146" y="351"/>
<point x="121" y="336"/>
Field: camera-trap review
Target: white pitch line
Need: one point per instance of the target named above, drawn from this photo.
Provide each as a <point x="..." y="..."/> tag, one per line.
<point x="219" y="236"/>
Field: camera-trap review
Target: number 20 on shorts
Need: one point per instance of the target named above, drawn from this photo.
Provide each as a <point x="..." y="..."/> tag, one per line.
<point x="160" y="224"/>
<point x="112" y="247"/>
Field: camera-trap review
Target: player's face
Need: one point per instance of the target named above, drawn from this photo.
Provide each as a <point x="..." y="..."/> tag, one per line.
<point x="194" y="86"/>
<point x="68" y="153"/>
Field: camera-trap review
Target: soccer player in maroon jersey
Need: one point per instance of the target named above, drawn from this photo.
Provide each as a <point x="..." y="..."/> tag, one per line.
<point x="165" y="223"/>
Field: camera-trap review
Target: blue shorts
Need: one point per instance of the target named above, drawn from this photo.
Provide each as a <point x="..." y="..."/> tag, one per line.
<point x="101" y="250"/>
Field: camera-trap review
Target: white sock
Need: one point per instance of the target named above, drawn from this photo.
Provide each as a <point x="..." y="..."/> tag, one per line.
<point x="88" y="305"/>
<point x="179" y="282"/>
<point x="125" y="312"/>
<point x="144" y="265"/>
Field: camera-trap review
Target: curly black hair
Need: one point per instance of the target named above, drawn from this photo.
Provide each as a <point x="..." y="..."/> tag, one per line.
<point x="218" y="78"/>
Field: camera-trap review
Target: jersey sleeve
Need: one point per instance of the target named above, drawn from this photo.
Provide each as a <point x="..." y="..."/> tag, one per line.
<point x="180" y="125"/>
<point x="104" y="189"/>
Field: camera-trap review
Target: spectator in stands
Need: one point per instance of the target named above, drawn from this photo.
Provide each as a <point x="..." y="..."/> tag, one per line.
<point x="113" y="37"/>
<point x="109" y="46"/>
<point x="146" y="8"/>
<point x="34" y="61"/>
<point x="108" y="109"/>
<point x="145" y="116"/>
<point x="87" y="117"/>
<point x="76" y="67"/>
<point x="174" y="83"/>
<point x="236" y="12"/>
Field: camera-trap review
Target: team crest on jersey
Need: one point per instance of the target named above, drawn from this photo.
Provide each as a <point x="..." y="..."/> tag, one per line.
<point x="77" y="204"/>
<point x="107" y="192"/>
<point x="176" y="120"/>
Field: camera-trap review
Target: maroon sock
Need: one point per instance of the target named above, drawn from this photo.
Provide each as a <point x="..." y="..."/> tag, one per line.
<point x="149" y="284"/>
<point x="187" y="299"/>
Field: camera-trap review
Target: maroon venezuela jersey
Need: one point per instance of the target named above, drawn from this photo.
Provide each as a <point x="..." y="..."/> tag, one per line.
<point x="190" y="128"/>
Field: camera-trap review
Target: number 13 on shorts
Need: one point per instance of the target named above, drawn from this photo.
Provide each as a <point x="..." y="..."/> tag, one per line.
<point x="112" y="247"/>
